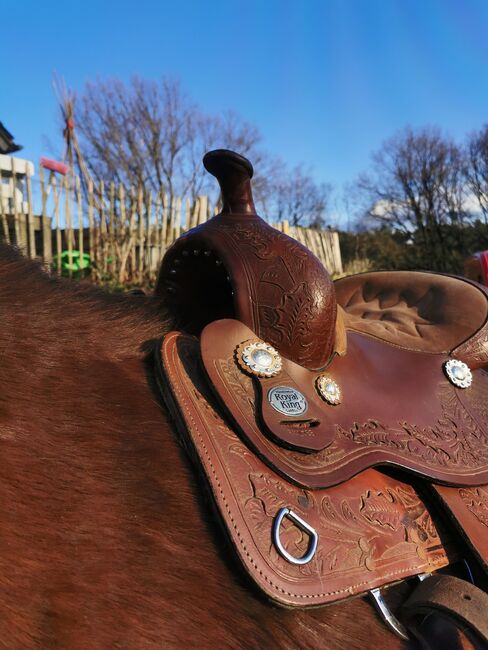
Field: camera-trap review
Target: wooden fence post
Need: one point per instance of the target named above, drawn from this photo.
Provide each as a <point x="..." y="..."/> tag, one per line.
<point x="102" y="232"/>
<point x="79" y="210"/>
<point x="124" y="246"/>
<point x="164" y="229"/>
<point x="111" y="230"/>
<point x="140" y="210"/>
<point x="91" y="243"/>
<point x="202" y="213"/>
<point x="57" y="198"/>
<point x="149" y="247"/>
<point x="68" y="228"/>
<point x="6" y="232"/>
<point x="47" y="246"/>
<point x="18" y="237"/>
<point x="31" y="233"/>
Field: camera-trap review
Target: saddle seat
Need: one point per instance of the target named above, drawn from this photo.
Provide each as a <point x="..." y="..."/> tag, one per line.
<point x="425" y="312"/>
<point x="325" y="498"/>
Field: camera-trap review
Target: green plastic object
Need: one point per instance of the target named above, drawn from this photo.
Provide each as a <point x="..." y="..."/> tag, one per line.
<point x="76" y="265"/>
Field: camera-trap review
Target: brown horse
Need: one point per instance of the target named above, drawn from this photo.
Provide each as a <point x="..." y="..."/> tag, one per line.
<point x="106" y="538"/>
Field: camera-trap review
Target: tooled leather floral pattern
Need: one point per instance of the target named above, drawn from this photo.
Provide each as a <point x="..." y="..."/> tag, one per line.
<point x="476" y="501"/>
<point x="294" y="297"/>
<point x="474" y="352"/>
<point x="455" y="440"/>
<point x="364" y="531"/>
<point x="371" y="531"/>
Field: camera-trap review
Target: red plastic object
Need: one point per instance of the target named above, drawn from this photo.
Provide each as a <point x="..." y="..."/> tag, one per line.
<point x="55" y="166"/>
<point x="476" y="267"/>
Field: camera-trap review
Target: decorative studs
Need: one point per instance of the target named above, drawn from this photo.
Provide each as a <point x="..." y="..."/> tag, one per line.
<point x="259" y="358"/>
<point x="329" y="390"/>
<point x="458" y="373"/>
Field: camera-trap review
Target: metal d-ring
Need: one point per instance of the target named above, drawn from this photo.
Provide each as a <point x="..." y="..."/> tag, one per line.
<point x="298" y="521"/>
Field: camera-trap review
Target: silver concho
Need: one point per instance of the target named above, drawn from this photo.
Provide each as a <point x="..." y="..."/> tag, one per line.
<point x="458" y="373"/>
<point x="261" y="359"/>
<point x="329" y="390"/>
<point x="287" y="401"/>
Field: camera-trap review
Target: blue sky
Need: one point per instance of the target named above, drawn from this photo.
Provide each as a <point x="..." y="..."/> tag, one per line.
<point x="325" y="82"/>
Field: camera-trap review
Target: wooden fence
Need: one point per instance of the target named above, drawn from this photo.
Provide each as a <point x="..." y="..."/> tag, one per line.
<point x="113" y="234"/>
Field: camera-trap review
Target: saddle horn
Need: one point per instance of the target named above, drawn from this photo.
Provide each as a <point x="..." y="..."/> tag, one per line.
<point x="237" y="266"/>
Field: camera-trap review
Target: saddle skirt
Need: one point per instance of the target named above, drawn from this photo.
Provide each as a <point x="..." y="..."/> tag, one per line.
<point x="338" y="466"/>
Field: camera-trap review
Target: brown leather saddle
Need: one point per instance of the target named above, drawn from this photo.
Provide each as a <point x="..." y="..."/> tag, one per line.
<point x="342" y="428"/>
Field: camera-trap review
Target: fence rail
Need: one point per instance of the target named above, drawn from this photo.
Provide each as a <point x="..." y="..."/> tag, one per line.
<point x="111" y="233"/>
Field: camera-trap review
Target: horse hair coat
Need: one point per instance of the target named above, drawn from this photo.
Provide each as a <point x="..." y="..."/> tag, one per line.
<point x="106" y="538"/>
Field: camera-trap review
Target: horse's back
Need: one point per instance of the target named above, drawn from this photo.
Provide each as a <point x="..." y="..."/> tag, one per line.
<point x="107" y="540"/>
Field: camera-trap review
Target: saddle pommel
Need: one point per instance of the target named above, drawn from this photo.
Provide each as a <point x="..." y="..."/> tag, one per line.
<point x="237" y="266"/>
<point x="234" y="173"/>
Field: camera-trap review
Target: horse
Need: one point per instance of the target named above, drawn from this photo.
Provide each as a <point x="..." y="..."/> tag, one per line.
<point x="108" y="537"/>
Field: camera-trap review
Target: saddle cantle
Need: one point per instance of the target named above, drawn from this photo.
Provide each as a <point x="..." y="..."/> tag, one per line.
<point x="335" y="423"/>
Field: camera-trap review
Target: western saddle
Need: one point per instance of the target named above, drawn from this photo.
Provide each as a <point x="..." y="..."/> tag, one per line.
<point x="342" y="428"/>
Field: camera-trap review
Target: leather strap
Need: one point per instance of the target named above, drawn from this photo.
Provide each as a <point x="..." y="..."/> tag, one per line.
<point x="468" y="509"/>
<point x="450" y="596"/>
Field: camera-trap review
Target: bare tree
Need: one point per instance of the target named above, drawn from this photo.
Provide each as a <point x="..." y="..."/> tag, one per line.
<point x="417" y="186"/>
<point x="150" y="133"/>
<point x="477" y="168"/>
<point x="300" y="199"/>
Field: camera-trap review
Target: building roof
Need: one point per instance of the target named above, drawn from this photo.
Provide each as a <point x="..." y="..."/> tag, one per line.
<point x="7" y="144"/>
